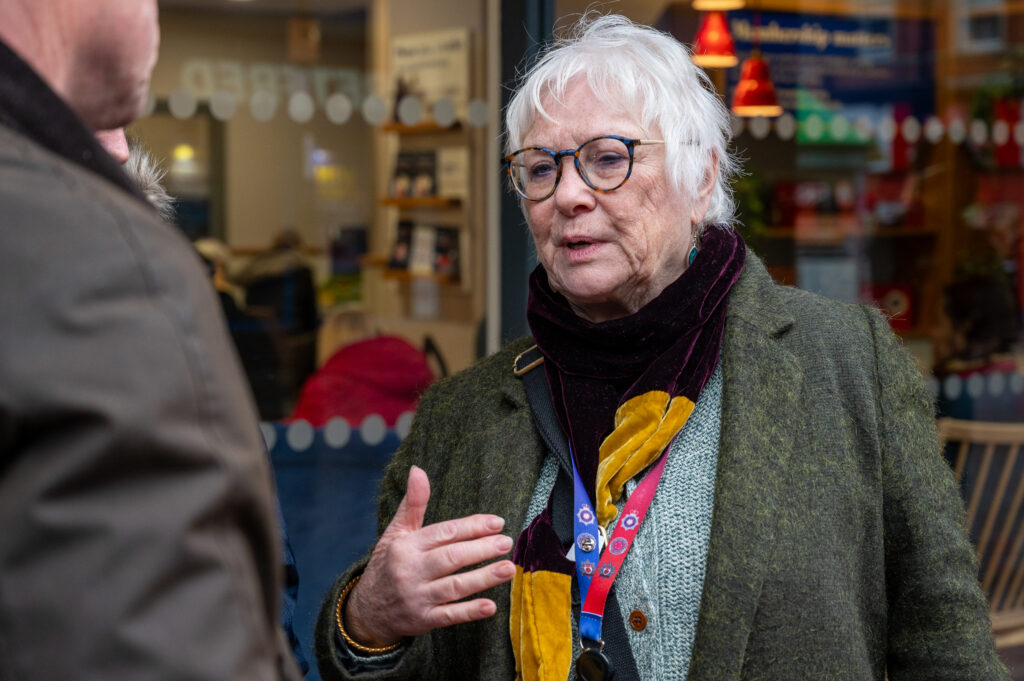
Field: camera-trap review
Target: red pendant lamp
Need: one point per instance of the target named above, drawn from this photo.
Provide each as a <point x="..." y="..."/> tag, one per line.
<point x="755" y="93"/>
<point x="714" y="47"/>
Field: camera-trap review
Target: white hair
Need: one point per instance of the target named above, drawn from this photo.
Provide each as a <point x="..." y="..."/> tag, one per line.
<point x="626" y="63"/>
<point x="148" y="174"/>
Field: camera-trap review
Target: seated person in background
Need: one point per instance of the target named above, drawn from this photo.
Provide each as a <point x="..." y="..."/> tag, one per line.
<point x="253" y="335"/>
<point x="281" y="282"/>
<point x="983" y="319"/>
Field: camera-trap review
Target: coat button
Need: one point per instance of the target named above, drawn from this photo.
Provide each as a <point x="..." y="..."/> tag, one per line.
<point x="638" y="620"/>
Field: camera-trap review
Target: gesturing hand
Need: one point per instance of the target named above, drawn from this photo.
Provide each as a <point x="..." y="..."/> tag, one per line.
<point x="409" y="586"/>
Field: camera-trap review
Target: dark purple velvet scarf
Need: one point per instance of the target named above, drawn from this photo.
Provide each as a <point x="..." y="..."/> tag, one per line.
<point x="638" y="379"/>
<point x="670" y="344"/>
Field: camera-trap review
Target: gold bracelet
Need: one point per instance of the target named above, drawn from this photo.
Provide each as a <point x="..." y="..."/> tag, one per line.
<point x="359" y="647"/>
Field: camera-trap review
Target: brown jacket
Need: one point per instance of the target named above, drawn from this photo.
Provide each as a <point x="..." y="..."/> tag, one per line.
<point x="138" y="538"/>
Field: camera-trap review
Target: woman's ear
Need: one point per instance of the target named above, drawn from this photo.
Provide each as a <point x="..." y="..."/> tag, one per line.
<point x="702" y="199"/>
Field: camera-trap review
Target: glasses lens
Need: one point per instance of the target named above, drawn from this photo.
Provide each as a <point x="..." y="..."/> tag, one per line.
<point x="534" y="173"/>
<point x="605" y="162"/>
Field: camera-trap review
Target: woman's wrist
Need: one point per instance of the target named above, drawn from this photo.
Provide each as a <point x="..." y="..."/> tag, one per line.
<point x="351" y="629"/>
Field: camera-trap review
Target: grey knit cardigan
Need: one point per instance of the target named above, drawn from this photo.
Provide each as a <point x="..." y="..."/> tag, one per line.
<point x="837" y="548"/>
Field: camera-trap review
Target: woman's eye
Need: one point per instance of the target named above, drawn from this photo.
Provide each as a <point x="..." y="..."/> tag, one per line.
<point x="609" y="160"/>
<point x="539" y="171"/>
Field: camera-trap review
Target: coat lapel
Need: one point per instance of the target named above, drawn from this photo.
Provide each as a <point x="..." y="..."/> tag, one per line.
<point x="762" y="388"/>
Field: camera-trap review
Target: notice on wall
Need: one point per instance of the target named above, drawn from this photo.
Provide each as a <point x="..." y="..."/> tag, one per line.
<point x="860" y="67"/>
<point x="432" y="66"/>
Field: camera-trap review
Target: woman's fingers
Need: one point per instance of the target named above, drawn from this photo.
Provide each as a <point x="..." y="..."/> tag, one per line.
<point x="461" y="585"/>
<point x="459" y="613"/>
<point x="414" y="581"/>
<point x="446" y="559"/>
<point x="460" y="529"/>
<point x="409" y="515"/>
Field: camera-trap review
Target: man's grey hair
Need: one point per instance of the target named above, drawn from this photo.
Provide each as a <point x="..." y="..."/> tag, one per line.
<point x="650" y="75"/>
<point x="147" y="174"/>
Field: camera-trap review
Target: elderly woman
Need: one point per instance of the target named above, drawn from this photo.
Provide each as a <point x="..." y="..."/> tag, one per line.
<point x="772" y="453"/>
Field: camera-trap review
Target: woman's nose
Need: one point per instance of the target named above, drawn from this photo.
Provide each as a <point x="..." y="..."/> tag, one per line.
<point x="573" y="195"/>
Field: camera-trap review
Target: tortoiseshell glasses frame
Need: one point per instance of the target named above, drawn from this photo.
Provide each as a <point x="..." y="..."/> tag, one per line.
<point x="602" y="171"/>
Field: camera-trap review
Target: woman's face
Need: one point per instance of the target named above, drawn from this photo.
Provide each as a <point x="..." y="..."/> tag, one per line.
<point x="609" y="254"/>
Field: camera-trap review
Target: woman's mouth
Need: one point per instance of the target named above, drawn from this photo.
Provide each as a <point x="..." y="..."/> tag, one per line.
<point x="578" y="250"/>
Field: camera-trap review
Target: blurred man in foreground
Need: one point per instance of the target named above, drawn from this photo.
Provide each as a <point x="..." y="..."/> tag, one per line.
<point x="137" y="528"/>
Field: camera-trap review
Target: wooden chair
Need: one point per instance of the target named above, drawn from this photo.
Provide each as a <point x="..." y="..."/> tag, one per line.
<point x="987" y="463"/>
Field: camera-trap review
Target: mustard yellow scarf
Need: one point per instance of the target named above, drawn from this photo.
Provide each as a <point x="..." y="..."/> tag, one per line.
<point x="621" y="389"/>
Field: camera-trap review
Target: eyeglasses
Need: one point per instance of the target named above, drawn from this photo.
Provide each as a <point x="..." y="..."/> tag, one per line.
<point x="604" y="163"/>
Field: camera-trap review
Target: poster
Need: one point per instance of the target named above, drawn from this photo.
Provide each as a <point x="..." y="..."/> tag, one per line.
<point x="432" y="66"/>
<point x="850" y="68"/>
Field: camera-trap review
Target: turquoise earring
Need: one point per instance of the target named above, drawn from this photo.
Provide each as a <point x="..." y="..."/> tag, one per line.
<point x="693" y="256"/>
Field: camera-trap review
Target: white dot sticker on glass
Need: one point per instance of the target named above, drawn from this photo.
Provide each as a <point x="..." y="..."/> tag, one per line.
<point x="410" y="110"/>
<point x="887" y="129"/>
<point x="444" y="112"/>
<point x="864" y="127"/>
<point x="839" y="127"/>
<point x="301" y="107"/>
<point x="737" y="125"/>
<point x="263" y="106"/>
<point x="1000" y="132"/>
<point x="933" y="129"/>
<point x="976" y="386"/>
<point x="223" y="105"/>
<point x="403" y="424"/>
<point x="150" y="106"/>
<point x="375" y="110"/>
<point x="338" y="108"/>
<point x="182" y="104"/>
<point x="996" y="384"/>
<point x="759" y="127"/>
<point x="813" y="127"/>
<point x="373" y="429"/>
<point x="476" y="113"/>
<point x="299" y="435"/>
<point x="337" y="433"/>
<point x="911" y="129"/>
<point x="952" y="386"/>
<point x="979" y="132"/>
<point x="785" y="126"/>
<point x="957" y="131"/>
<point x="269" y="433"/>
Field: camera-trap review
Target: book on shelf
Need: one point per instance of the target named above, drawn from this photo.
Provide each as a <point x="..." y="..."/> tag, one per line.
<point x="425" y="250"/>
<point x="415" y="175"/>
<point x="399" y="258"/>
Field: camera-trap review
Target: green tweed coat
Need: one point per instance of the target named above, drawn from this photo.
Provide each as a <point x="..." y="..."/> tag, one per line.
<point x="836" y="550"/>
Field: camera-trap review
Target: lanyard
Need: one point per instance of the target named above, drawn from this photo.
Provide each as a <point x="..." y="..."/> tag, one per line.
<point x="595" y="573"/>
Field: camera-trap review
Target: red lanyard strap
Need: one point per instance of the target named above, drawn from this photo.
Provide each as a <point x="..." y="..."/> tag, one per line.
<point x="614" y="554"/>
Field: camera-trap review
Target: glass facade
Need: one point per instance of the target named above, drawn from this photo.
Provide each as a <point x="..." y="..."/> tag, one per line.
<point x="338" y="165"/>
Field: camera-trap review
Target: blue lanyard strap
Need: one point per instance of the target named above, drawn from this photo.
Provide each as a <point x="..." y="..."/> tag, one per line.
<point x="591" y="564"/>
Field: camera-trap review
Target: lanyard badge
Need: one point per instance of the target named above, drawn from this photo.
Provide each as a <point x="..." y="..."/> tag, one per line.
<point x="596" y="570"/>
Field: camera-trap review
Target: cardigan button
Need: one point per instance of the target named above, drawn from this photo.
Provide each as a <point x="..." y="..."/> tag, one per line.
<point x="638" y="620"/>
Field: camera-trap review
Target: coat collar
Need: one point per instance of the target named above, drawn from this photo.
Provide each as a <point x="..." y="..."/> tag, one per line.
<point x="762" y="388"/>
<point x="31" y="109"/>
